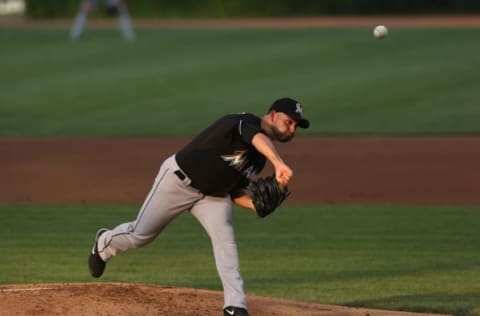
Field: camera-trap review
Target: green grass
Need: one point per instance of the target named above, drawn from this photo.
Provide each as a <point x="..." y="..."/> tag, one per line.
<point x="175" y="81"/>
<point x="413" y="258"/>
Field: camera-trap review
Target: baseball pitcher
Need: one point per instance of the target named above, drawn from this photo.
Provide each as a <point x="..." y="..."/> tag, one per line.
<point x="216" y="168"/>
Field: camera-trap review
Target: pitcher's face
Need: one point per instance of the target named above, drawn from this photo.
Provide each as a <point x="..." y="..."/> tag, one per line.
<point x="283" y="127"/>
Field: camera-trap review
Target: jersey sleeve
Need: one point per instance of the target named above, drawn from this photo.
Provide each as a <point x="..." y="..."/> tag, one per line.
<point x="247" y="129"/>
<point x="239" y="190"/>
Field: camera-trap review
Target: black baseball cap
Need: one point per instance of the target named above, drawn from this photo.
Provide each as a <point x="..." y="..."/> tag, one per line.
<point x="292" y="108"/>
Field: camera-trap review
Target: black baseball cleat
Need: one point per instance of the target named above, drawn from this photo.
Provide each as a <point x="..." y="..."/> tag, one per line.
<point x="234" y="311"/>
<point x="95" y="263"/>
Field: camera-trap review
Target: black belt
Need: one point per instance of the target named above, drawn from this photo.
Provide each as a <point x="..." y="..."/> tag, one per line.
<point x="182" y="176"/>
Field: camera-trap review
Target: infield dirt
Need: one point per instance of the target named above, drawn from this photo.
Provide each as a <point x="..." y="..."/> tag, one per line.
<point x="120" y="299"/>
<point x="327" y="170"/>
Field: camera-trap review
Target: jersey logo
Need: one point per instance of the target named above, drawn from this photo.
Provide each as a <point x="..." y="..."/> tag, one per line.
<point x="239" y="161"/>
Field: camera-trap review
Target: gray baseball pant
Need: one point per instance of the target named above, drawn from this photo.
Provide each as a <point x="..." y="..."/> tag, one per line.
<point x="169" y="197"/>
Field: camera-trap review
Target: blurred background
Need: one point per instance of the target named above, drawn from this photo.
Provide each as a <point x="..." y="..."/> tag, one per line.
<point x="247" y="8"/>
<point x="322" y="50"/>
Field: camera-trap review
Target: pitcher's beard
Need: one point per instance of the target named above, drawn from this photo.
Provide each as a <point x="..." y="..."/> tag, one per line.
<point x="280" y="136"/>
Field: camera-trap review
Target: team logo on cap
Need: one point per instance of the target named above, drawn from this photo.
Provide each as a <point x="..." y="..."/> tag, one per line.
<point x="298" y="109"/>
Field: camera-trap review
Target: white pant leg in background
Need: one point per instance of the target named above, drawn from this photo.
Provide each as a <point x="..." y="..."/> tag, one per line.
<point x="79" y="24"/>
<point x="125" y="24"/>
<point x="215" y="215"/>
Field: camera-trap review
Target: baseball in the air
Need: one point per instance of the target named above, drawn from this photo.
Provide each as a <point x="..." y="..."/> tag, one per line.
<point x="380" y="31"/>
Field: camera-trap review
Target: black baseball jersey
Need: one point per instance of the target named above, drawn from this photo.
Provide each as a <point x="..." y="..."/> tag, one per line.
<point x="221" y="160"/>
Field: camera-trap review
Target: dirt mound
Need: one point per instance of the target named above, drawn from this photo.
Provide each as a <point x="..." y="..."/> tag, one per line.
<point x="141" y="299"/>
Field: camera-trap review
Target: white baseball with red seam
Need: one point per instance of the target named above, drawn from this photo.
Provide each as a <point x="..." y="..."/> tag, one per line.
<point x="380" y="31"/>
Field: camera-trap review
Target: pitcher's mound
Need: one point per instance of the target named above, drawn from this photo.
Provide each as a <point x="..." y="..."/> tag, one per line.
<point x="140" y="299"/>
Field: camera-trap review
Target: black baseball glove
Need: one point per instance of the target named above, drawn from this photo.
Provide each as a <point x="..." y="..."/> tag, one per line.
<point x="266" y="195"/>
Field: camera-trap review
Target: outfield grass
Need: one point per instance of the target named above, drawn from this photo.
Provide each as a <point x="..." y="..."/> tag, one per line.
<point x="393" y="257"/>
<point x="175" y="81"/>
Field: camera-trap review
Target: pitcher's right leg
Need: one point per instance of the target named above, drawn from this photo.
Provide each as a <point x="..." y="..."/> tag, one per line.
<point x="168" y="197"/>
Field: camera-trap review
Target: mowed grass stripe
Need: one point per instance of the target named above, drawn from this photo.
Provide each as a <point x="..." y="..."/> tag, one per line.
<point x="395" y="257"/>
<point x="175" y="81"/>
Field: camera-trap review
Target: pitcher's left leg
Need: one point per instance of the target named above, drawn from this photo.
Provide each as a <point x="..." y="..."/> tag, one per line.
<point x="215" y="215"/>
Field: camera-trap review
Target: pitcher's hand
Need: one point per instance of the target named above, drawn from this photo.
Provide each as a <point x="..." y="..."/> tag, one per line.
<point x="283" y="174"/>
